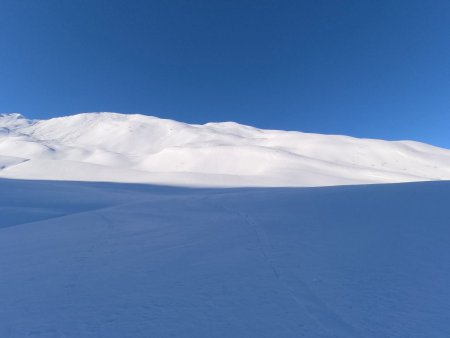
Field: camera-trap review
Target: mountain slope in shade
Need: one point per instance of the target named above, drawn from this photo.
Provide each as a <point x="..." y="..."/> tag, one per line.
<point x="138" y="148"/>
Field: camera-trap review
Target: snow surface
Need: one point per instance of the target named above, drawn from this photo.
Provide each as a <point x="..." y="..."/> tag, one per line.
<point x="116" y="259"/>
<point x="136" y="148"/>
<point x="84" y="259"/>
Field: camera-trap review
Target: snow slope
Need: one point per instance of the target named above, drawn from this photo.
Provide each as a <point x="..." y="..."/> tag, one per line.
<point x="136" y="148"/>
<point x="81" y="259"/>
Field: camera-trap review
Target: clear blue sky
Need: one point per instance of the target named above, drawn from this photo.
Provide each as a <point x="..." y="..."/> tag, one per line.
<point x="364" y="68"/>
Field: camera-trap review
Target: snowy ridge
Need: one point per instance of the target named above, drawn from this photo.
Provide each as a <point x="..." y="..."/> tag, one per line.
<point x="137" y="148"/>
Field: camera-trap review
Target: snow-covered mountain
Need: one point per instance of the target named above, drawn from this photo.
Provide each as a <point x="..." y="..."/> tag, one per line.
<point x="138" y="148"/>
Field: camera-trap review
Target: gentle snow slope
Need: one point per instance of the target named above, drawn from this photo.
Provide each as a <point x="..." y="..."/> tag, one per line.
<point x="137" y="148"/>
<point x="83" y="259"/>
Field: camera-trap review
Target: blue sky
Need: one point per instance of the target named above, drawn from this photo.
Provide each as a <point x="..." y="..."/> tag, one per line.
<point x="364" y="68"/>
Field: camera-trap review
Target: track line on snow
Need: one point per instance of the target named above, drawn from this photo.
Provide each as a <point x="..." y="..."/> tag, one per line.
<point x="70" y="214"/>
<point x="302" y="295"/>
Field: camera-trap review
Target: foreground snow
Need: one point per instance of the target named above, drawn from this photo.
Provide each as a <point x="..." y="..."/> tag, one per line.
<point x="136" y="148"/>
<point x="121" y="260"/>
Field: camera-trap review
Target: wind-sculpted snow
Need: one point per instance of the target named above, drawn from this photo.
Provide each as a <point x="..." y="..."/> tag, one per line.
<point x="82" y="259"/>
<point x="136" y="148"/>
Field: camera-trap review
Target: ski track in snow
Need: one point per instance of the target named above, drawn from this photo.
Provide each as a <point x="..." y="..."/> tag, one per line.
<point x="298" y="289"/>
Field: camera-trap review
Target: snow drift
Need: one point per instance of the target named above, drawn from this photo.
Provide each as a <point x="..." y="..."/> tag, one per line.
<point x="82" y="259"/>
<point x="136" y="148"/>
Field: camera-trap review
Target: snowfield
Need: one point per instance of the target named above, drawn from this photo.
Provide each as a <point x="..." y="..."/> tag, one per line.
<point x="81" y="259"/>
<point x="142" y="149"/>
<point x="118" y="225"/>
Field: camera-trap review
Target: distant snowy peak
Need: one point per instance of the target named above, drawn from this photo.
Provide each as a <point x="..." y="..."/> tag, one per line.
<point x="13" y="121"/>
<point x="138" y="148"/>
<point x="11" y="116"/>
